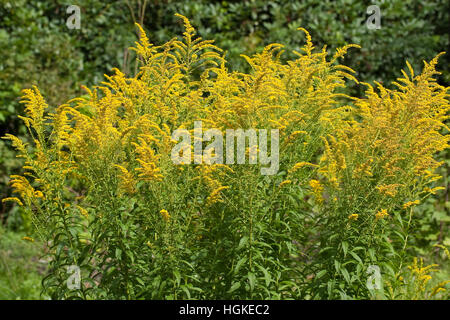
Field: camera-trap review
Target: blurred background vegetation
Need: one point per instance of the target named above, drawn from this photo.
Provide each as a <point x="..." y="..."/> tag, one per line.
<point x="37" y="48"/>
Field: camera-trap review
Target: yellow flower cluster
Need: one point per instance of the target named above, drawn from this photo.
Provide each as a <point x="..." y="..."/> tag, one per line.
<point x="215" y="195"/>
<point x="422" y="275"/>
<point x="410" y="203"/>
<point x="126" y="123"/>
<point x="381" y="214"/>
<point x="317" y="189"/>
<point x="165" y="214"/>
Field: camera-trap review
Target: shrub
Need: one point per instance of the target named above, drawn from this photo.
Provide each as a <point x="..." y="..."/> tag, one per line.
<point x="104" y="194"/>
<point x="42" y="50"/>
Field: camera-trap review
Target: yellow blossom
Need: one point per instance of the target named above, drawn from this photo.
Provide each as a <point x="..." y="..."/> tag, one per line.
<point x="13" y="199"/>
<point x="302" y="164"/>
<point x="215" y="195"/>
<point x="317" y="188"/>
<point x="285" y="182"/>
<point x="83" y="211"/>
<point x="165" y="214"/>
<point x="381" y="214"/>
<point x="410" y="203"/>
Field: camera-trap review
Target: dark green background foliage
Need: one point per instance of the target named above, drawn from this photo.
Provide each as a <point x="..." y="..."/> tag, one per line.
<point x="37" y="48"/>
<point x="413" y="30"/>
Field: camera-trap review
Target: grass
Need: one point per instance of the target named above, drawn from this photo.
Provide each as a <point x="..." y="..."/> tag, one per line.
<point x="21" y="270"/>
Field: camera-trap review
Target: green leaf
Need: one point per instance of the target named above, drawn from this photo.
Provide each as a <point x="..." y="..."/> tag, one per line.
<point x="177" y="275"/>
<point x="357" y="258"/>
<point x="242" y="242"/>
<point x="252" y="280"/>
<point x="372" y="254"/>
<point x="344" y="247"/>
<point x="337" y="265"/>
<point x="345" y="274"/>
<point x="234" y="287"/>
<point x="320" y="274"/>
<point x="267" y="276"/>
<point x="186" y="290"/>
<point x="118" y="253"/>
<point x="239" y="264"/>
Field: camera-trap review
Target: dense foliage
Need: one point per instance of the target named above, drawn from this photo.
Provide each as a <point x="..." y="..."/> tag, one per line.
<point x="38" y="49"/>
<point x="103" y="193"/>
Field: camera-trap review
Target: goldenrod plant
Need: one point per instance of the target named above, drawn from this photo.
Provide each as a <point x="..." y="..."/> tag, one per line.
<point x="104" y="195"/>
